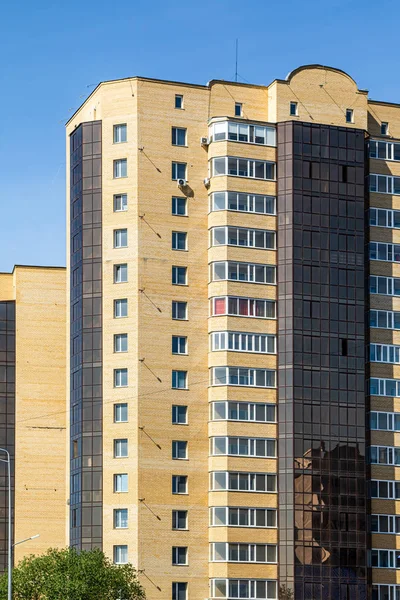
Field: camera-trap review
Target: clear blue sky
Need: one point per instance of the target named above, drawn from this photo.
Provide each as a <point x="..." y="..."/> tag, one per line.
<point x="52" y="51"/>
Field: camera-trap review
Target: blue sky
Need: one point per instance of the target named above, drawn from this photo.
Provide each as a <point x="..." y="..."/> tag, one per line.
<point x="53" y="52"/>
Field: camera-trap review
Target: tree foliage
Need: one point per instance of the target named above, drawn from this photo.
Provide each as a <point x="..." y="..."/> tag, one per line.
<point x="71" y="575"/>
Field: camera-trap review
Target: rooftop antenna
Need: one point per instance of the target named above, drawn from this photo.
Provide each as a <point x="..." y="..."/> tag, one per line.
<point x="237" y="52"/>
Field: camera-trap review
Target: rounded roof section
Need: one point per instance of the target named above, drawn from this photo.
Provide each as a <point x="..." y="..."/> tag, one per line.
<point x="324" y="67"/>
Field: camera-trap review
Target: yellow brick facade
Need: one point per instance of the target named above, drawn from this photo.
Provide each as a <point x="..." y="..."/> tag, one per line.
<point x="147" y="107"/>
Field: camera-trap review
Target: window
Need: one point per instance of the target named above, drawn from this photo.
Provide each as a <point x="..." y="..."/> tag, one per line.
<point x="384" y="387"/>
<point x="120" y="238"/>
<point x="385" y="524"/>
<point x="384" y="319"/>
<point x="384" y="184"/>
<point x="179" y="275"/>
<point x="383" y="217"/>
<point x="179" y="590"/>
<point x="244" y="482"/>
<point x="121" y="273"/>
<point x="384" y="128"/>
<point x="179" y="450"/>
<point x="179" y="519"/>
<point x="120" y="168"/>
<point x="238" y="109"/>
<point x="386" y="490"/>
<point x="383" y="591"/>
<point x="383" y="251"/>
<point x="179" y="414"/>
<point x="385" y="353"/>
<point x="243" y="411"/>
<point x="121" y="308"/>
<point x="120" y="133"/>
<point x="178" y="171"/>
<point x="179" y="206"/>
<point x="238" y="271"/>
<point x="385" y="559"/>
<point x="238" y="201"/>
<point x="120" y="518"/>
<point x="179" y="344"/>
<point x="120" y="202"/>
<point x="179" y="484"/>
<point x="293" y="109"/>
<point x="226" y="552"/>
<point x="242" y="132"/>
<point x="121" y="482"/>
<point x="120" y="555"/>
<point x="178" y="101"/>
<point x="75" y="483"/>
<point x="385" y="421"/>
<point x="242" y="167"/>
<point x="384" y="150"/>
<point x="178" y="136"/>
<point x="240" y="236"/>
<point x="179" y="380"/>
<point x="179" y="555"/>
<point x="243" y="307"/>
<point x="179" y="310"/>
<point x="243" y="517"/>
<point x="245" y="588"/>
<point x="121" y="342"/>
<point x="75" y="449"/>
<point x="385" y="455"/>
<point x="242" y="342"/>
<point x="121" y="412"/>
<point x="120" y="377"/>
<point x="179" y="240"/>
<point x="389" y="286"/>
<point x="349" y="115"/>
<point x="121" y="448"/>
<point x="241" y="446"/>
<point x="243" y="376"/>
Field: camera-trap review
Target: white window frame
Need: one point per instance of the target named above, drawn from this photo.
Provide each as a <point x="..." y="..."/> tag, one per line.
<point x="384" y="421"/>
<point x="176" y="485"/>
<point x="174" y="206"/>
<point x="221" y="589"/>
<point x="294" y="109"/>
<point x="175" y="414"/>
<point x="118" y="303"/>
<point x="392" y="562"/>
<point x="385" y="524"/>
<point x="122" y="200"/>
<point x="175" y="520"/>
<point x="243" y="376"/>
<point x="175" y="310"/>
<point x="176" y="592"/>
<point x="175" y="274"/>
<point x="176" y="555"/>
<point x="220" y="481"/>
<point x="384" y="387"/>
<point x="391" y="284"/>
<point x="238" y="109"/>
<point x="220" y="516"/>
<point x="120" y="168"/>
<point x="385" y="455"/>
<point x="121" y="271"/>
<point x="383" y="150"/>
<point x="243" y="446"/>
<point x="180" y="96"/>
<point x="384" y="184"/>
<point x="121" y="448"/>
<point x="121" y="482"/>
<point x="176" y="165"/>
<point x="244" y="237"/>
<point x="245" y="167"/>
<point x="384" y="319"/>
<point x="253" y="306"/>
<point x="176" y="236"/>
<point x="237" y="341"/>
<point x="118" y="410"/>
<point x="242" y="202"/>
<point x="391" y="591"/>
<point x="245" y="133"/>
<point x="121" y="522"/>
<point x="383" y="251"/>
<point x="119" y="376"/>
<point x="245" y="272"/>
<point x="349" y="115"/>
<point x="385" y="353"/>
<point x="120" y="548"/>
<point x="117" y="129"/>
<point x="384" y="217"/>
<point x="175" y="379"/>
<point x="222" y="410"/>
<point x="174" y="134"/>
<point x="180" y="447"/>
<point x="182" y="344"/>
<point x="250" y="549"/>
<point x="380" y="484"/>
<point x="119" y="342"/>
<point x="119" y="235"/>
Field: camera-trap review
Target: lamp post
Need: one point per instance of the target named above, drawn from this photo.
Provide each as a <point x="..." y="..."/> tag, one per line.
<point x="9" y="570"/>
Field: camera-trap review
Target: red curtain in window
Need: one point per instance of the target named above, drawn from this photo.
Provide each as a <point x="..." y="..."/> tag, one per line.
<point x="219" y="306"/>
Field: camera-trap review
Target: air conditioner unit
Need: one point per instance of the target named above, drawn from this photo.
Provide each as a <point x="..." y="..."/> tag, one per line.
<point x="181" y="183"/>
<point x="204" y="141"/>
<point x="206" y="182"/>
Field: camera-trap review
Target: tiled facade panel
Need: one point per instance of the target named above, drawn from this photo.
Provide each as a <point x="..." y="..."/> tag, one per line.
<point x="322" y="272"/>
<point x="7" y="419"/>
<point x="86" y="337"/>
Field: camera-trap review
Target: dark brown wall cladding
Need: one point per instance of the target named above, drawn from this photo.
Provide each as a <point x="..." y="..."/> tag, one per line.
<point x="322" y="274"/>
<point x="86" y="338"/>
<point x="7" y="420"/>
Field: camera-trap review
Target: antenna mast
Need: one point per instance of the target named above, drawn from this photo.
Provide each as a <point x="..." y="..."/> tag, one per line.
<point x="237" y="52"/>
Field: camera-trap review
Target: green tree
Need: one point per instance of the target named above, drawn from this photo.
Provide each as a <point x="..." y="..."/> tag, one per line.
<point x="71" y="575"/>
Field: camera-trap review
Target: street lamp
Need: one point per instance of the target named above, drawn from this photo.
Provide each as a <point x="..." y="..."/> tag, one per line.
<point x="9" y="570"/>
<point x="33" y="537"/>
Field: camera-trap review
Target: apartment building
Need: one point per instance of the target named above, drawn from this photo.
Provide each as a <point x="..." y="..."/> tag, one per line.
<point x="33" y="409"/>
<point x="196" y="215"/>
